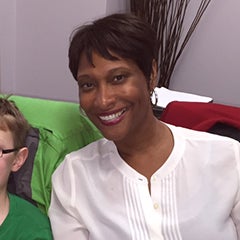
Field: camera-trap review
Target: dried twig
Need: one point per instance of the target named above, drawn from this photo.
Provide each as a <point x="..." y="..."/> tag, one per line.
<point x="167" y="18"/>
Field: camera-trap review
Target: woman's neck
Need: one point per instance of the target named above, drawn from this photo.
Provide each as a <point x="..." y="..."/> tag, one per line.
<point x="149" y="134"/>
<point x="149" y="153"/>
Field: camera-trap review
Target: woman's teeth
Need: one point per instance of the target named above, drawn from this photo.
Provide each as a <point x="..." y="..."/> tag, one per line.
<point x="112" y="116"/>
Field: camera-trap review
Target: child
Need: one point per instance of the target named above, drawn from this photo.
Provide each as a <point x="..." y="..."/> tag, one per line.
<point x="19" y="219"/>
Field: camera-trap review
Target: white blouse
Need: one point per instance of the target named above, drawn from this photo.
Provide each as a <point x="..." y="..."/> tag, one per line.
<point x="195" y="195"/>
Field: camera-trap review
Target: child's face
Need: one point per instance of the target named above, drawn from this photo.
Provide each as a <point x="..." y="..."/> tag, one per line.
<point x="7" y="160"/>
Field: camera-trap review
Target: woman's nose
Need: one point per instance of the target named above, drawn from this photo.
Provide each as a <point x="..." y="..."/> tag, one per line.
<point x="105" y="97"/>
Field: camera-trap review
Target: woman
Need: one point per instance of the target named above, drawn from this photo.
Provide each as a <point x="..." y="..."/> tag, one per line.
<point x="144" y="179"/>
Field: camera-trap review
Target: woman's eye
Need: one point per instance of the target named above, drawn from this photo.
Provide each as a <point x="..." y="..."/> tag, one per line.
<point x="87" y="86"/>
<point x="119" y="78"/>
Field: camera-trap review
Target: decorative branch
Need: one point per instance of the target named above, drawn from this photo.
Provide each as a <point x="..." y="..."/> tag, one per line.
<point x="167" y="18"/>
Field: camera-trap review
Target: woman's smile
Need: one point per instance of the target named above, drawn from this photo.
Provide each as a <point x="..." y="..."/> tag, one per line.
<point x="112" y="118"/>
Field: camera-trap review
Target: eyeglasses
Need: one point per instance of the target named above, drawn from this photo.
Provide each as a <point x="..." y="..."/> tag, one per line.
<point x="6" y="151"/>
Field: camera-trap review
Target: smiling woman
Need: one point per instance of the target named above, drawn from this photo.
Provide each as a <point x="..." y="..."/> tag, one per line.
<point x="145" y="179"/>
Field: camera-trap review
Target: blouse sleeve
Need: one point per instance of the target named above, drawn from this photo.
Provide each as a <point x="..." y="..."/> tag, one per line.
<point x="62" y="214"/>
<point x="236" y="208"/>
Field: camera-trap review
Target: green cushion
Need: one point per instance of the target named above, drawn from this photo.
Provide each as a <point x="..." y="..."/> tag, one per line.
<point x="62" y="129"/>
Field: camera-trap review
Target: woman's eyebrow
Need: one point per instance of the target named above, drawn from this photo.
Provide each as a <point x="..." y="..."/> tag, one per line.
<point x="109" y="72"/>
<point x="113" y="70"/>
<point x="82" y="76"/>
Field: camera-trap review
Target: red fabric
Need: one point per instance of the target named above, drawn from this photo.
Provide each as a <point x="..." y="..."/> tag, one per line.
<point x="200" y="116"/>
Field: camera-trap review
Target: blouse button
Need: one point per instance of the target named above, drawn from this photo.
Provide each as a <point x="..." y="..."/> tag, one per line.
<point x="156" y="206"/>
<point x="154" y="178"/>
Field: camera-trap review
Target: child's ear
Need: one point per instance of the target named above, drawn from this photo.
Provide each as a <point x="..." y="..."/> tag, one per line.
<point x="153" y="76"/>
<point x="20" y="159"/>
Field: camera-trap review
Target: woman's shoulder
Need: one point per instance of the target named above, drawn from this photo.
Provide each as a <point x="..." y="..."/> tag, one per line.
<point x="86" y="158"/>
<point x="206" y="142"/>
<point x="92" y="150"/>
<point x="199" y="135"/>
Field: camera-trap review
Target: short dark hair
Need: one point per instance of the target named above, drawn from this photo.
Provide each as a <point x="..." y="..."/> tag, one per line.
<point x="125" y="35"/>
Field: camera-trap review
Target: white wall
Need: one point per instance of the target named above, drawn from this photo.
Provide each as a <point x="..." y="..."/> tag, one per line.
<point x="7" y="45"/>
<point x="34" y="44"/>
<point x="210" y="63"/>
<point x="34" y="41"/>
<point x="116" y="6"/>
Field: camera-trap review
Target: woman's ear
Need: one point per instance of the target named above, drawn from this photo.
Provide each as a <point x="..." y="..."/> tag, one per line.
<point x="20" y="159"/>
<point x="153" y="76"/>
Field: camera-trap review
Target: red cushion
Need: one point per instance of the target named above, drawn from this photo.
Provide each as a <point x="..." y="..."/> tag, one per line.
<point x="200" y="116"/>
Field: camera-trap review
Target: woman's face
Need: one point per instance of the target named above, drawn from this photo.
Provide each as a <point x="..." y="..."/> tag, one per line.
<point x="115" y="96"/>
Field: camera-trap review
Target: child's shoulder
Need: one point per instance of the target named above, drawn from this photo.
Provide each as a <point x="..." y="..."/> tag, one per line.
<point x="19" y="204"/>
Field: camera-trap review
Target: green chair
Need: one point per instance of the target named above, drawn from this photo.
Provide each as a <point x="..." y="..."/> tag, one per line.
<point x="58" y="128"/>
